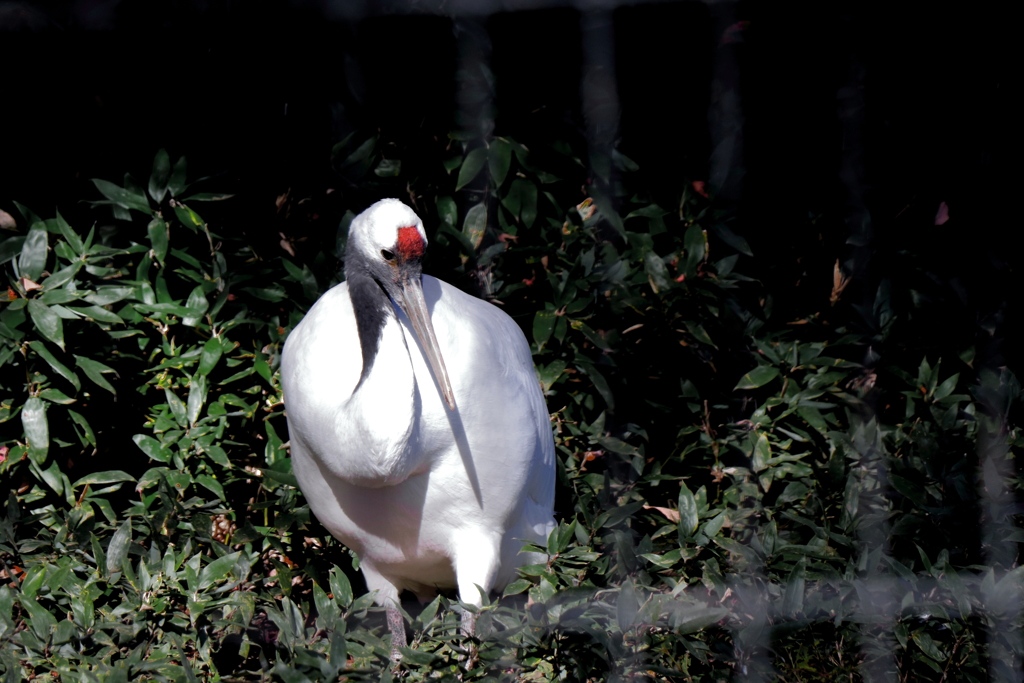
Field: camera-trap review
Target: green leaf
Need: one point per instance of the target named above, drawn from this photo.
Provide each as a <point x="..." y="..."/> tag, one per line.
<point x="212" y="351"/>
<point x="528" y="196"/>
<point x="217" y="570"/>
<point x="11" y="247"/>
<point x="793" y="601"/>
<point x="98" y="314"/>
<point x="762" y="453"/>
<point x="197" y="302"/>
<point x="32" y="261"/>
<point x="543" y="326"/>
<point x="699" y="333"/>
<point x="211" y="484"/>
<point x="626" y="607"/>
<point x="600" y="383"/>
<point x="107" y="477"/>
<point x="550" y="373"/>
<point x="517" y="587"/>
<point x="558" y="539"/>
<point x="273" y="293"/>
<point x="689" y="516"/>
<point x="700" y="618"/>
<point x="447" y="211"/>
<point x="928" y="646"/>
<point x="78" y="419"/>
<point x="281" y="477"/>
<point x="610" y="443"/>
<point x="58" y="296"/>
<point x="120" y="196"/>
<point x="56" y="396"/>
<point x="190" y="675"/>
<point x="37" y="430"/>
<point x="196" y="397"/>
<point x="160" y="176"/>
<point x="170" y="309"/>
<point x="207" y="197"/>
<point x="217" y="454"/>
<point x="189" y="218"/>
<point x="513" y="199"/>
<point x="104" y="296"/>
<point x="40" y="620"/>
<point x="947" y="387"/>
<point x="416" y="657"/>
<point x="499" y="160"/>
<point x="159" y="240"/>
<point x="117" y="550"/>
<point x="649" y="211"/>
<point x="153" y="448"/>
<point x="53" y="477"/>
<point x="471" y="167"/>
<point x="341" y="588"/>
<point x="757" y="377"/>
<point x="695" y="244"/>
<point x="261" y="366"/>
<point x="179" y="480"/>
<point x="176" y="183"/>
<point x="47" y="322"/>
<point x="177" y="407"/>
<point x="44" y="353"/>
<point x="94" y="370"/>
<point x="73" y="240"/>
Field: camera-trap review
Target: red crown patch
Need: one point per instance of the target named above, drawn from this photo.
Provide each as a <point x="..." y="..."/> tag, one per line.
<point x="410" y="244"/>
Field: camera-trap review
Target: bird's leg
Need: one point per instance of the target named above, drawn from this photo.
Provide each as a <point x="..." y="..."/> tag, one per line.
<point x="475" y="569"/>
<point x="469" y="630"/>
<point x="396" y="624"/>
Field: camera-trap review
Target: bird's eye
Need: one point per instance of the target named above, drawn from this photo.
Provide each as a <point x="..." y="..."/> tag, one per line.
<point x="388" y="255"/>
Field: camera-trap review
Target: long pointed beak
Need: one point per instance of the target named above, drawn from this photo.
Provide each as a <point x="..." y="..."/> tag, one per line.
<point x="416" y="308"/>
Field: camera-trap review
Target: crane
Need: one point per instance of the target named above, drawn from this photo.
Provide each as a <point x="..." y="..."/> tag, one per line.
<point x="419" y="432"/>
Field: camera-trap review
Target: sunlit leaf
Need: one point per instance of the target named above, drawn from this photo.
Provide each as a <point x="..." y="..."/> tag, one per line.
<point x="37" y="430"/>
<point x="212" y="350"/>
<point x="107" y="477"/>
<point x="197" y="302"/>
<point x="32" y="261"/>
<point x="47" y="322"/>
<point x="196" y="397"/>
<point x="757" y="377"/>
<point x="151" y="447"/>
<point x="117" y="550"/>
<point x="688" y="513"/>
<point x="177" y="407"/>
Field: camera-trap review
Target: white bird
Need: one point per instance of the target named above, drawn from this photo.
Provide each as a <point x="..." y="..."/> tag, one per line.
<point x="434" y="477"/>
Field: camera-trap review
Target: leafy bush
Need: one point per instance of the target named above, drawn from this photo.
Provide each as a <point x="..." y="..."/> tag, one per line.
<point x="738" y="493"/>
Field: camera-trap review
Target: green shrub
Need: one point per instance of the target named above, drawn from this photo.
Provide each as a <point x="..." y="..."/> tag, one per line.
<point x="737" y="493"/>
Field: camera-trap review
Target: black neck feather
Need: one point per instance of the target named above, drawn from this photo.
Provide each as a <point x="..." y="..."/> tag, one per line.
<point x="372" y="307"/>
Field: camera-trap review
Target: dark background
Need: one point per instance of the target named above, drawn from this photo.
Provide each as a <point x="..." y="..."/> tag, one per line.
<point x="848" y="123"/>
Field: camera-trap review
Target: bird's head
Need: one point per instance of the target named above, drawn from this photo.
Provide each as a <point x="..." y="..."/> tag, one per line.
<point x="387" y="242"/>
